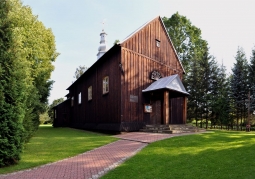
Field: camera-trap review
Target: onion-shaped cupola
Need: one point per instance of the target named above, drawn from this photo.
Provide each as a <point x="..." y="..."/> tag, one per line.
<point x="102" y="48"/>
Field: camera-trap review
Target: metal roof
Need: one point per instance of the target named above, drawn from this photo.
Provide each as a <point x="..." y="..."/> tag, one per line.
<point x="172" y="83"/>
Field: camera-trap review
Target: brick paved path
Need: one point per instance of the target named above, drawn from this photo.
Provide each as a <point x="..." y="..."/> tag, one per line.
<point x="94" y="163"/>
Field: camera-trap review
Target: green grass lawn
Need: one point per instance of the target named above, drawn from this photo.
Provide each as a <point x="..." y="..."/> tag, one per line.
<point x="52" y="144"/>
<point x="224" y="155"/>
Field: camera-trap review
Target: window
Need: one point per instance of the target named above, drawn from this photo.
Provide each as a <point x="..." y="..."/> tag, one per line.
<point x="55" y="111"/>
<point x="157" y="43"/>
<point x="79" y="98"/>
<point x="90" y="93"/>
<point x="72" y="101"/>
<point x="106" y="85"/>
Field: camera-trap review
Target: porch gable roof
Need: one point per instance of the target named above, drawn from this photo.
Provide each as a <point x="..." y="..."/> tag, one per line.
<point x="172" y="83"/>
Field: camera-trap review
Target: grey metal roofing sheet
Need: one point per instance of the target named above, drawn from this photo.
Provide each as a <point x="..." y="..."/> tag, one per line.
<point x="170" y="82"/>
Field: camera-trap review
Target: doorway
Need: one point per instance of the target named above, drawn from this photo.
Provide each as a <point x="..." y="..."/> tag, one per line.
<point x="156" y="115"/>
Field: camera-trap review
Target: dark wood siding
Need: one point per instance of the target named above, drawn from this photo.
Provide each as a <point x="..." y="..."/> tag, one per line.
<point x="144" y="42"/>
<point x="141" y="56"/>
<point x="122" y="108"/>
<point x="104" y="109"/>
<point x="137" y="70"/>
<point x="62" y="114"/>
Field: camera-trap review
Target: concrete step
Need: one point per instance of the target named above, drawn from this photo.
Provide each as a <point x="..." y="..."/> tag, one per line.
<point x="156" y="131"/>
<point x="171" y="129"/>
<point x="183" y="131"/>
<point x="158" y="128"/>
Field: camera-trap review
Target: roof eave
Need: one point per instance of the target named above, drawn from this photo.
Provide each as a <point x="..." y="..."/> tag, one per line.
<point x="93" y="65"/>
<point x="169" y="89"/>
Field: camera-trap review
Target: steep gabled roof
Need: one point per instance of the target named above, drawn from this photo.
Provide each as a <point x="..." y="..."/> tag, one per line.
<point x="94" y="64"/>
<point x="172" y="83"/>
<point x="128" y="37"/>
<point x="140" y="28"/>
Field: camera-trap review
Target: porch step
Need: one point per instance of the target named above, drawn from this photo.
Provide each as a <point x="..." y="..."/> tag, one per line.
<point x="157" y="129"/>
<point x="171" y="129"/>
<point x="184" y="128"/>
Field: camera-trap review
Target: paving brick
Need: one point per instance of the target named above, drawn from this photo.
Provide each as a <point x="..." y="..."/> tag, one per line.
<point x="95" y="163"/>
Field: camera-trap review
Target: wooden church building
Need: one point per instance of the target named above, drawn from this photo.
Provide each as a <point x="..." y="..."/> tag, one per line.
<point x="134" y="83"/>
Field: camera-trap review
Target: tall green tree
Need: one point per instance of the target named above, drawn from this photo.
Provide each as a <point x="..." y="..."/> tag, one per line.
<point x="13" y="90"/>
<point x="186" y="38"/>
<point x="220" y="99"/>
<point x="191" y="49"/>
<point x="37" y="45"/>
<point x="27" y="50"/>
<point x="252" y="79"/>
<point x="204" y="79"/>
<point x="208" y="72"/>
<point x="239" y="86"/>
<point x="193" y="89"/>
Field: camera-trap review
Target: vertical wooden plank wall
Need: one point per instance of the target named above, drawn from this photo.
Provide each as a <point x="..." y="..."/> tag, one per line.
<point x="140" y="56"/>
<point x="144" y="42"/>
<point x="103" y="108"/>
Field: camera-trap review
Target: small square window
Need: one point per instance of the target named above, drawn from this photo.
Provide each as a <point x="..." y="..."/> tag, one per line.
<point x="79" y="98"/>
<point x="90" y="93"/>
<point x="157" y="43"/>
<point x="106" y="85"/>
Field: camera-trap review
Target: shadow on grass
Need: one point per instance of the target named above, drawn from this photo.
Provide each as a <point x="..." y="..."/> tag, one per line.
<point x="209" y="155"/>
<point x="52" y="144"/>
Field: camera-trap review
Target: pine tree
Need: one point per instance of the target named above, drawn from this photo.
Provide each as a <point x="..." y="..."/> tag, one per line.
<point x="220" y="101"/>
<point x="239" y="86"/>
<point x="252" y="81"/>
<point x="190" y="48"/>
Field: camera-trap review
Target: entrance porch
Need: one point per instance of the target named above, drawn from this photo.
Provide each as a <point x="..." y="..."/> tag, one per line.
<point x="168" y="99"/>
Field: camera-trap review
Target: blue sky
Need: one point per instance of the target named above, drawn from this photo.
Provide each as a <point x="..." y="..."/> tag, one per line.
<point x="77" y="24"/>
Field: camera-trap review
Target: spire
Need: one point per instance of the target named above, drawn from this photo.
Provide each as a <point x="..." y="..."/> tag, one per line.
<point x="102" y="48"/>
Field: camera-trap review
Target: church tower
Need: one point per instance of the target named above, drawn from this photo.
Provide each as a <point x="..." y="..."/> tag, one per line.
<point x="102" y="48"/>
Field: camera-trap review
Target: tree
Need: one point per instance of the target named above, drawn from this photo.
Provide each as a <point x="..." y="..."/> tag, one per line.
<point x="186" y="38"/>
<point x="252" y="79"/>
<point x="12" y="91"/>
<point x="239" y="86"/>
<point x="193" y="89"/>
<point x="44" y="118"/>
<point x="79" y="71"/>
<point x="208" y="90"/>
<point x="116" y="42"/>
<point x="53" y="104"/>
<point x="220" y="101"/>
<point x="191" y="49"/>
<point x="26" y="55"/>
<point x="37" y="46"/>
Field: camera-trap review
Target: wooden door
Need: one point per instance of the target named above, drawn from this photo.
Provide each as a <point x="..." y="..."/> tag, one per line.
<point x="156" y="115"/>
<point x="176" y="111"/>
